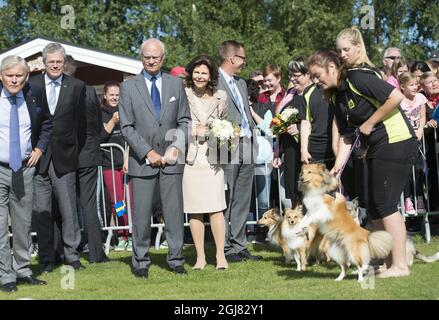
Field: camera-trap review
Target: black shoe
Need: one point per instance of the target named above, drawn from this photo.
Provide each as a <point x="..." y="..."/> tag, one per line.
<point x="179" y="270"/>
<point x="244" y="254"/>
<point x="47" y="268"/>
<point x="77" y="265"/>
<point x="141" y="273"/>
<point x="233" y="257"/>
<point x="31" y="280"/>
<point x="9" y="287"/>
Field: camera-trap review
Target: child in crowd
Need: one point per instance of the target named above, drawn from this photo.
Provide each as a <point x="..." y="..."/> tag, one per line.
<point x="399" y="66"/>
<point x="414" y="106"/>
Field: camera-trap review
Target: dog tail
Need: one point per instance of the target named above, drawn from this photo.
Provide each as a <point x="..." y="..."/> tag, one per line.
<point x="427" y="259"/>
<point x="380" y="244"/>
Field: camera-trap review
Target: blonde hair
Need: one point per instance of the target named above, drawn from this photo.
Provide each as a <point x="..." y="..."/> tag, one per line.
<point x="405" y="78"/>
<point x="354" y="36"/>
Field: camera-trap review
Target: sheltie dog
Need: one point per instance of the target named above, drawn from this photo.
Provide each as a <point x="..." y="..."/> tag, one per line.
<point x="348" y="242"/>
<point x="282" y="232"/>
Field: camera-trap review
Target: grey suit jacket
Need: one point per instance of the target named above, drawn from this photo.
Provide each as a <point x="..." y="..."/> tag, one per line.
<point x="234" y="113"/>
<point x="144" y="132"/>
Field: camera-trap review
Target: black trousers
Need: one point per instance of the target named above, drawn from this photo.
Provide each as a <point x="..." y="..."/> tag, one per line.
<point x="87" y="180"/>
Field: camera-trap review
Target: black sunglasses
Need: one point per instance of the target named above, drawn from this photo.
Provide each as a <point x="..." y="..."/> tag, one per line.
<point x="392" y="57"/>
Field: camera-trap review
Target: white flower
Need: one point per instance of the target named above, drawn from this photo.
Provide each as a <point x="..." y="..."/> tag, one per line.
<point x="287" y="113"/>
<point x="221" y="129"/>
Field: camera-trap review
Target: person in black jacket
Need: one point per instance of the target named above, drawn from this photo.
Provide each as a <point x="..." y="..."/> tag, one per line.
<point x="56" y="175"/>
<point x="90" y="158"/>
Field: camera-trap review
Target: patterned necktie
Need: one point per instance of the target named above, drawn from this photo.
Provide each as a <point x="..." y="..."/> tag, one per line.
<point x="14" y="136"/>
<point x="155" y="96"/>
<point x="244" y="123"/>
<point x="52" y="97"/>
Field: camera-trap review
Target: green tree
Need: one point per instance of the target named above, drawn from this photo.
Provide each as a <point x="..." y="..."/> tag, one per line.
<point x="272" y="31"/>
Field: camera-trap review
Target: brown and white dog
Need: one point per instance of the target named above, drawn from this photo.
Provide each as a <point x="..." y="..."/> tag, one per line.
<point x="348" y="242"/>
<point x="281" y="232"/>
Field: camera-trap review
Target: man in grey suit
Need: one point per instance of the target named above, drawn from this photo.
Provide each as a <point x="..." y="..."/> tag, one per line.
<point x="25" y="128"/>
<point x="154" y="118"/>
<point x="239" y="173"/>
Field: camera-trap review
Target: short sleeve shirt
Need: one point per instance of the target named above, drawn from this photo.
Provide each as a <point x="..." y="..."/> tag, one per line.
<point x="320" y="117"/>
<point x="353" y="109"/>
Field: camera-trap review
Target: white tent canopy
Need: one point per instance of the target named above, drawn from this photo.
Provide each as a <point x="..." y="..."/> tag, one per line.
<point x="79" y="53"/>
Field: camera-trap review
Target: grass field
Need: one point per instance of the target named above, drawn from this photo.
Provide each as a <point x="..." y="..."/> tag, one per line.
<point x="263" y="280"/>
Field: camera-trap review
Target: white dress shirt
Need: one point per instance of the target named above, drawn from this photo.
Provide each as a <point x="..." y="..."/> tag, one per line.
<point x="48" y="83"/>
<point x="25" y="126"/>
<point x="233" y="87"/>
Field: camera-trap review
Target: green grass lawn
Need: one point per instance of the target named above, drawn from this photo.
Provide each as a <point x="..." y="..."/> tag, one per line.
<point x="261" y="280"/>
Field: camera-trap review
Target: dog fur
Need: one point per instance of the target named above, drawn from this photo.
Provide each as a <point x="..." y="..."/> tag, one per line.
<point x="348" y="242"/>
<point x="281" y="232"/>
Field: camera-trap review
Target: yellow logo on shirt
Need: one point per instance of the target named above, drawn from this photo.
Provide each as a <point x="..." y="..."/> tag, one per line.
<point x="351" y="104"/>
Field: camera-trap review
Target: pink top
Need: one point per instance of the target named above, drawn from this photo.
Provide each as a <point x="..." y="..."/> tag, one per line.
<point x="394" y="82"/>
<point x="412" y="108"/>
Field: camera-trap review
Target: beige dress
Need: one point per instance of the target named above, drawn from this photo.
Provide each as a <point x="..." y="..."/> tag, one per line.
<point x="203" y="182"/>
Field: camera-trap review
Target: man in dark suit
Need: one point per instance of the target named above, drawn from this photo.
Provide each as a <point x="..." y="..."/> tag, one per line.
<point x="56" y="176"/>
<point x="154" y="117"/>
<point x="90" y="158"/>
<point x="25" y="127"/>
<point x="239" y="173"/>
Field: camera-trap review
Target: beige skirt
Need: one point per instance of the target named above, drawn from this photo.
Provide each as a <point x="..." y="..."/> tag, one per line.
<point x="203" y="185"/>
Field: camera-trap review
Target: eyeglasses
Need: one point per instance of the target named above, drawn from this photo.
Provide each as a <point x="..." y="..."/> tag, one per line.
<point x="427" y="83"/>
<point x="295" y="75"/>
<point x="154" y="58"/>
<point x="392" y="57"/>
<point x="242" y="57"/>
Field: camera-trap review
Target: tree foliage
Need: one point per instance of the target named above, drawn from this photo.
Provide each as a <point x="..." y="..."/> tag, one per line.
<point x="273" y="31"/>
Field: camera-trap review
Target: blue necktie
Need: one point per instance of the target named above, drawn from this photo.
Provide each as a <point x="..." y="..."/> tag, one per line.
<point x="155" y="96"/>
<point x="244" y="123"/>
<point x="14" y="136"/>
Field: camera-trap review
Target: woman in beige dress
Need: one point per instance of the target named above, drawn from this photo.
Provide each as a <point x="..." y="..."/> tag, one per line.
<point x="203" y="179"/>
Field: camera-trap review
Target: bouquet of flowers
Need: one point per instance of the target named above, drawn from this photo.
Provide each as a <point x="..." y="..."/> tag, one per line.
<point x="282" y="121"/>
<point x="224" y="132"/>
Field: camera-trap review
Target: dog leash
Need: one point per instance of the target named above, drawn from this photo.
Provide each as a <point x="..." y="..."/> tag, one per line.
<point x="356" y="144"/>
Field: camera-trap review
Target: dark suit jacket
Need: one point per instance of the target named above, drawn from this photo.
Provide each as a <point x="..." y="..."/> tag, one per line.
<point x="40" y="118"/>
<point x="69" y="124"/>
<point x="91" y="154"/>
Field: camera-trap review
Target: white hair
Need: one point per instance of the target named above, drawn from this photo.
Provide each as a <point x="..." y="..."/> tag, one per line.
<point x="53" y="47"/>
<point x="153" y="40"/>
<point x="12" y="61"/>
<point x="391" y="48"/>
